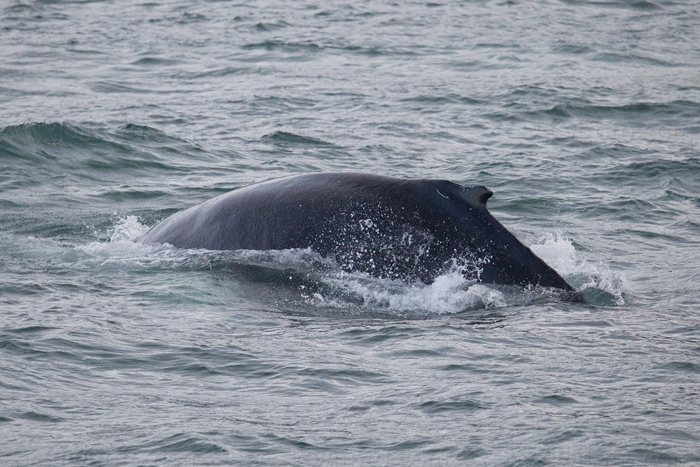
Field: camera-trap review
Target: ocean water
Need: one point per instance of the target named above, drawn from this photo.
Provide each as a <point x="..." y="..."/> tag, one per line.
<point x="583" y="117"/>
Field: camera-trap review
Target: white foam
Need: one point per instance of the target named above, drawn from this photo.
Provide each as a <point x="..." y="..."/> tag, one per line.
<point x="122" y="239"/>
<point x="122" y="248"/>
<point x="303" y="260"/>
<point x="128" y="229"/>
<point x="450" y="293"/>
<point x="558" y="251"/>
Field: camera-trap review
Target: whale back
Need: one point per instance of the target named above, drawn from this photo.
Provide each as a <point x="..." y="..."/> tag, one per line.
<point x="388" y="227"/>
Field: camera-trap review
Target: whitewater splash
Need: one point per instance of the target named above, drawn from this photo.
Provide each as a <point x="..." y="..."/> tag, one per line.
<point x="306" y="280"/>
<point x="595" y="280"/>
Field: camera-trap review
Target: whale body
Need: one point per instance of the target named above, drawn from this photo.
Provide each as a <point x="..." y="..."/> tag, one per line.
<point x="387" y="227"/>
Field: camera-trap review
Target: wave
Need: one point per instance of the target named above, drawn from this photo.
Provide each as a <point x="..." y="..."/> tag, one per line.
<point x="632" y="4"/>
<point x="636" y="59"/>
<point x="538" y="102"/>
<point x="655" y="168"/>
<point x="439" y="100"/>
<point x="278" y="44"/>
<point x="271" y="26"/>
<point x="39" y="142"/>
<point x="625" y="112"/>
<point x="672" y="177"/>
<point x="88" y="150"/>
<point x="283" y="138"/>
<point x="296" y="51"/>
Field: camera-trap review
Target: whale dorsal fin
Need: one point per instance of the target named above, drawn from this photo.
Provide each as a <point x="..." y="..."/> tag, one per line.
<point x="476" y="195"/>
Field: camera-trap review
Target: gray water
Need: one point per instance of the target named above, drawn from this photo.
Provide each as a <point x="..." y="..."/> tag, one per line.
<point x="583" y="117"/>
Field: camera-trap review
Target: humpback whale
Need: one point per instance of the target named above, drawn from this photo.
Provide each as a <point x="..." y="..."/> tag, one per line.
<point x="387" y="227"/>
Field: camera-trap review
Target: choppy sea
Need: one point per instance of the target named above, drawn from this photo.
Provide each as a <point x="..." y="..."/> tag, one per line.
<point x="582" y="116"/>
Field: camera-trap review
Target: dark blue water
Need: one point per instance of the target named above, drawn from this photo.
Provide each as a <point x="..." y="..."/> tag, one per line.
<point x="583" y="117"/>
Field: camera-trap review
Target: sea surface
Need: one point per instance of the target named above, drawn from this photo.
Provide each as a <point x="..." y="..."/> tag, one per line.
<point x="583" y="117"/>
